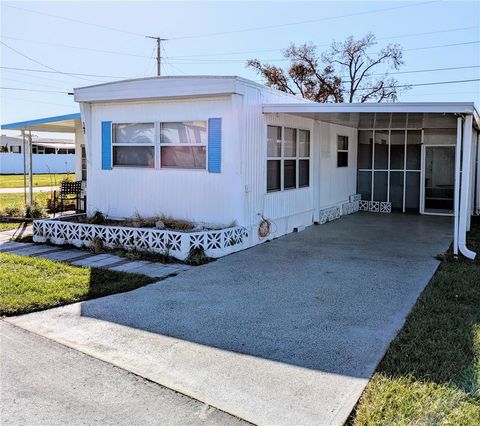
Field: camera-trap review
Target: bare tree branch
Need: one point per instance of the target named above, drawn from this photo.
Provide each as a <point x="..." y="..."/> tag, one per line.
<point x="319" y="77"/>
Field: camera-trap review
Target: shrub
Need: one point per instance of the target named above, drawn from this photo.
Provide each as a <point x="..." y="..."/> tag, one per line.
<point x="34" y="212"/>
<point x="98" y="218"/>
<point x="177" y="224"/>
<point x="12" y="211"/>
<point x="197" y="257"/>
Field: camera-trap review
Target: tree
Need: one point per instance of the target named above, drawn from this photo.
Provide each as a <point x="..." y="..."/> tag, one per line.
<point x="347" y="72"/>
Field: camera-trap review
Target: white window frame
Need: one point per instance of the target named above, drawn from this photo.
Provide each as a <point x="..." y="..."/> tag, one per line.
<point x="114" y="144"/>
<point x="282" y="159"/>
<point x="343" y="150"/>
<point x="160" y="145"/>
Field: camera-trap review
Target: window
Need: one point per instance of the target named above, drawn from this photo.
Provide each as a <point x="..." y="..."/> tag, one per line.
<point x="342" y="151"/>
<point x="183" y="145"/>
<point x="134" y="145"/>
<point x="17" y="149"/>
<point x="288" y="158"/>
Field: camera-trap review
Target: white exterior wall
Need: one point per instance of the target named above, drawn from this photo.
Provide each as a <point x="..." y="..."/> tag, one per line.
<point x="293" y="207"/>
<point x="188" y="194"/>
<point x="286" y="209"/>
<point x="477" y="180"/>
<point x="336" y="184"/>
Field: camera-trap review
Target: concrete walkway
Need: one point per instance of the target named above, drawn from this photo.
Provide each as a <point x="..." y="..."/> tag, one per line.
<point x="86" y="258"/>
<point x="44" y="383"/>
<point x="288" y="332"/>
<point x="35" y="189"/>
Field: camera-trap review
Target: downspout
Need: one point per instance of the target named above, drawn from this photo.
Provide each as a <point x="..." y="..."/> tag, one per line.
<point x="465" y="189"/>
<point x="456" y="197"/>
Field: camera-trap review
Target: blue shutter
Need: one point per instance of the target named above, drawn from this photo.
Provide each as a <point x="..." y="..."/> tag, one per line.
<point x="106" y="145"/>
<point x="214" y="145"/>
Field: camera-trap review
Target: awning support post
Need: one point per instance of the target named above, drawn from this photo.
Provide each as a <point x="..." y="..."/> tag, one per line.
<point x="456" y="197"/>
<point x="24" y="170"/>
<point x="464" y="211"/>
<point x="30" y="167"/>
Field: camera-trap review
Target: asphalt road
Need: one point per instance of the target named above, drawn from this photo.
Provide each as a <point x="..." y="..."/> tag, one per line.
<point x="45" y="383"/>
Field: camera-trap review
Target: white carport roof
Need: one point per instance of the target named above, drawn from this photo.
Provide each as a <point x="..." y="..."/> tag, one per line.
<point x="348" y="114"/>
<point x="59" y="124"/>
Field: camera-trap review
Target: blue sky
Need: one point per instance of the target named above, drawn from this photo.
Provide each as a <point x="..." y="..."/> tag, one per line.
<point x="255" y="29"/>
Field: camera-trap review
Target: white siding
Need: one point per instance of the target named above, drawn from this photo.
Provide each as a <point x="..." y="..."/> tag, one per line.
<point x="190" y="194"/>
<point x="293" y="201"/>
<point x="336" y="183"/>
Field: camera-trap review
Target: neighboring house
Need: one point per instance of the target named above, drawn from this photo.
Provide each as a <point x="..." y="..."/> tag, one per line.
<point x="39" y="145"/>
<point x="49" y="155"/>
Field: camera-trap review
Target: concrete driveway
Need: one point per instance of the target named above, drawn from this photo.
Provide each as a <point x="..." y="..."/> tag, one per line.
<point x="288" y="332"/>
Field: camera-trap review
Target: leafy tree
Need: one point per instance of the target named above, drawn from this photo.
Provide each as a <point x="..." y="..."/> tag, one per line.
<point x="347" y="72"/>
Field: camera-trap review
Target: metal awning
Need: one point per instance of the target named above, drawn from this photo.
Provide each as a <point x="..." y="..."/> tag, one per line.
<point x="356" y="115"/>
<point x="67" y="123"/>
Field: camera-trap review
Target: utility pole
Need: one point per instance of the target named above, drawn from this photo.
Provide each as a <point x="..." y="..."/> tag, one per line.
<point x="159" y="53"/>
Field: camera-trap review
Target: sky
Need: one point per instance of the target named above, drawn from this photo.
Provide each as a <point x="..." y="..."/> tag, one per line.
<point x="47" y="42"/>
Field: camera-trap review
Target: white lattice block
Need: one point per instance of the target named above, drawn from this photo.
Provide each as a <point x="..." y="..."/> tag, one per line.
<point x="363" y="205"/>
<point x="326" y="215"/>
<point x="385" y="207"/>
<point x="355" y="197"/>
<point x="374" y="206"/>
<point x="215" y="242"/>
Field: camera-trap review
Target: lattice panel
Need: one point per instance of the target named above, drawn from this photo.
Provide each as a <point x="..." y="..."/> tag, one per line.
<point x="327" y="215"/>
<point x="355" y="197"/>
<point x="157" y="240"/>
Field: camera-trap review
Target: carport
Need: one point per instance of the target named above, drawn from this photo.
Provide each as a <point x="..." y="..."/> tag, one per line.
<point x="420" y="157"/>
<point x="69" y="123"/>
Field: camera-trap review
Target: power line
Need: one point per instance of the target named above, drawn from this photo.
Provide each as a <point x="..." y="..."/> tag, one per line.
<point x="75" y="20"/>
<point x="33" y="90"/>
<point x="233" y="60"/>
<point x="38" y="77"/>
<point x="34" y="83"/>
<point x="363" y="88"/>
<point x="115" y="52"/>
<point x="40" y="63"/>
<point x="34" y="102"/>
<point x="112" y="52"/>
<point x="60" y="72"/>
<point x="420" y="71"/>
<point x="323" y="45"/>
<point x="434" y="83"/>
<point x="309" y="21"/>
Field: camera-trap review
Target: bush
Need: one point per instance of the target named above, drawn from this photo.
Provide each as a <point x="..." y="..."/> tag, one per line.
<point x="34" y="212"/>
<point x="12" y="211"/>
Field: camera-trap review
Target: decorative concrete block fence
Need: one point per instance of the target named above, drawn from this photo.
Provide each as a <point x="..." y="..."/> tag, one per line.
<point x="214" y="243"/>
<point x="375" y="206"/>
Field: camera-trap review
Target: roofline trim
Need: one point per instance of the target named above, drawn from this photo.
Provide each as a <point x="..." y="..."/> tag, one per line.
<point x="426" y="107"/>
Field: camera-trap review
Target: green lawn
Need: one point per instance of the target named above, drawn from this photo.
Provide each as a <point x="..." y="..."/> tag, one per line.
<point x="430" y="374"/>
<point x="28" y="283"/>
<point x="17" y="200"/>
<point x="8" y="226"/>
<point x="16" y="181"/>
